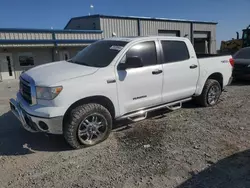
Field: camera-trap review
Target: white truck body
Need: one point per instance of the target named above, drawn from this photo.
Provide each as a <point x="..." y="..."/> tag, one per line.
<point x="127" y="90"/>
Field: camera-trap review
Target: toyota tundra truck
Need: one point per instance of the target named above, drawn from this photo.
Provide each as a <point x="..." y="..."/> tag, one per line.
<point x="114" y="79"/>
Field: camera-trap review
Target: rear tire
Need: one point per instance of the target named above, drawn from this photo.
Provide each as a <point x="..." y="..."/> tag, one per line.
<point x="88" y="125"/>
<point x="210" y="93"/>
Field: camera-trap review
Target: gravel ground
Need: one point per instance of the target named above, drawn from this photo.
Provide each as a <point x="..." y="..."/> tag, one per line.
<point x="191" y="147"/>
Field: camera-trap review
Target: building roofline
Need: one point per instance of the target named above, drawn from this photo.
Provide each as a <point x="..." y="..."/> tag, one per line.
<point x="20" y="30"/>
<point x="142" y="18"/>
<point x="55" y="42"/>
<point x="79" y="17"/>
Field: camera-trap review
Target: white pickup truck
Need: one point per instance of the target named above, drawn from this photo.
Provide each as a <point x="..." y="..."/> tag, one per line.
<point x="117" y="78"/>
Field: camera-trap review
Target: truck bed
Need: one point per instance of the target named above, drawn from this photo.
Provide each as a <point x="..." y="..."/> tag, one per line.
<point x="215" y="63"/>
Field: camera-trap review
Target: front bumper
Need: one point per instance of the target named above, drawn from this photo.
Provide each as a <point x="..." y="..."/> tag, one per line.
<point x="36" y="124"/>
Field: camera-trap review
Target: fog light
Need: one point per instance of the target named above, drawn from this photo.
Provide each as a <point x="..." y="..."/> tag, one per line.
<point x="43" y="125"/>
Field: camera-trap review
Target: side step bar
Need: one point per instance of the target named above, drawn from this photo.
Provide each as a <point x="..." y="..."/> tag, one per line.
<point x="142" y="114"/>
<point x="175" y="107"/>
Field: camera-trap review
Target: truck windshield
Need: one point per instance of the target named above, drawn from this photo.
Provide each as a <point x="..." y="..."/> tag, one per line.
<point x="99" y="54"/>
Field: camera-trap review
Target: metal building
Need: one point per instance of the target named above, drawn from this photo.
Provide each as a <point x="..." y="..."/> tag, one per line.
<point x="22" y="49"/>
<point x="202" y="34"/>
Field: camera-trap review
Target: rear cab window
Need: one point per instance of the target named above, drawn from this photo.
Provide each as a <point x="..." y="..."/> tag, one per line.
<point x="174" y="51"/>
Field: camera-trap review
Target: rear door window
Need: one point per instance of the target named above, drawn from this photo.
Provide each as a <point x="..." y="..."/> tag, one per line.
<point x="174" y="51"/>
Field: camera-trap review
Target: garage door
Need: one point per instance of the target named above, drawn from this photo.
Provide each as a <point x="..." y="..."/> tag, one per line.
<point x="171" y="33"/>
<point x="201" y="35"/>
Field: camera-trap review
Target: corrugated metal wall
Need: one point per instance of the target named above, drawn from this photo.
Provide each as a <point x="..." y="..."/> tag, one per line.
<point x="149" y="27"/>
<point x="48" y="36"/>
<point x="78" y="36"/>
<point x="208" y="28"/>
<point x="25" y="36"/>
<point x="84" y="24"/>
<point x="122" y="27"/>
<point x="25" y="45"/>
<point x="129" y="27"/>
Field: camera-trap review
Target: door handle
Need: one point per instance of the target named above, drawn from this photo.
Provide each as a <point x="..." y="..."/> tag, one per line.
<point x="158" y="71"/>
<point x="110" y="81"/>
<point x="193" y="66"/>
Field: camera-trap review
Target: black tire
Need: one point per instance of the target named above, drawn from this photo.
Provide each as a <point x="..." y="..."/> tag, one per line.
<point x="76" y="118"/>
<point x="203" y="98"/>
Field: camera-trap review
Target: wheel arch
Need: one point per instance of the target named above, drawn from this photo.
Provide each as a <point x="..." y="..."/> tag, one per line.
<point x="99" y="99"/>
<point x="215" y="76"/>
<point x="218" y="77"/>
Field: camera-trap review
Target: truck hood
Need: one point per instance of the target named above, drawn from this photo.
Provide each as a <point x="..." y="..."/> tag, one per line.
<point x="51" y="73"/>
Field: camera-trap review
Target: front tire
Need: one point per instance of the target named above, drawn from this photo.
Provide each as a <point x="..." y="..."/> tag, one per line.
<point x="210" y="94"/>
<point x="88" y="125"/>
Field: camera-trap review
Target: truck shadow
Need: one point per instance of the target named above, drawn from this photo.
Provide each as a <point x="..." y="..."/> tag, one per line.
<point x="14" y="140"/>
<point x="191" y="104"/>
<point x="231" y="172"/>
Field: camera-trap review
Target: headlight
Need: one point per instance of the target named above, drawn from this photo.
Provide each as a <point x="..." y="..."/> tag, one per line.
<point x="48" y="93"/>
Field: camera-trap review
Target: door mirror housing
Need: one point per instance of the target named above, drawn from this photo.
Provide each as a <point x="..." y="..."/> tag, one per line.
<point x="131" y="62"/>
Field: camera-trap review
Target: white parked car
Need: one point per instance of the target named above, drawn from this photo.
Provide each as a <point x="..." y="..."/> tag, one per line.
<point x="117" y="78"/>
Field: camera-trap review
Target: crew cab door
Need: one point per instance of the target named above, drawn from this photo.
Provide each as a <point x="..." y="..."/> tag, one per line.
<point x="180" y="70"/>
<point x="140" y="87"/>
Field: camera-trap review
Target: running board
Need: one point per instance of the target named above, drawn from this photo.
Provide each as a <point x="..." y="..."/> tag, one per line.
<point x="142" y="114"/>
<point x="175" y="107"/>
<point x="138" y="118"/>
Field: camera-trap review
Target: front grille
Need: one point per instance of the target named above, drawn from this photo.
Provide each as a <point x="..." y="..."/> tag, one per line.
<point x="25" y="90"/>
